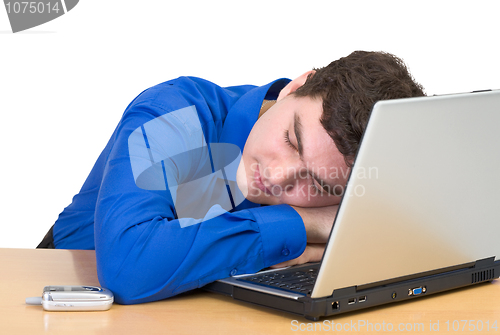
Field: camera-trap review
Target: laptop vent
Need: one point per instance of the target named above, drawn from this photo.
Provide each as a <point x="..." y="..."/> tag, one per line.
<point x="483" y="276"/>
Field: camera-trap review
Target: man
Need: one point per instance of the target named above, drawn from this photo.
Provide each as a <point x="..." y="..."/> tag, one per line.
<point x="199" y="182"/>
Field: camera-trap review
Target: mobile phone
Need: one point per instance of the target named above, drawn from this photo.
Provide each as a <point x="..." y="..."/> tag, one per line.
<point x="76" y="298"/>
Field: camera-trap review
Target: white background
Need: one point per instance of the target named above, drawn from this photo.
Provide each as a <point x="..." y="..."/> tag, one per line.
<point x="65" y="84"/>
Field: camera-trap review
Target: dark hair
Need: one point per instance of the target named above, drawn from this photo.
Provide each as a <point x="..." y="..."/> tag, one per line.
<point x="350" y="86"/>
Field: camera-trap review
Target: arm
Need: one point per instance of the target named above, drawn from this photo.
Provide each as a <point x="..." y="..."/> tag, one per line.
<point x="144" y="254"/>
<point x="318" y="222"/>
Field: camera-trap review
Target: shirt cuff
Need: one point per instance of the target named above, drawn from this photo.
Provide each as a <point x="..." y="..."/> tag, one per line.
<point x="283" y="233"/>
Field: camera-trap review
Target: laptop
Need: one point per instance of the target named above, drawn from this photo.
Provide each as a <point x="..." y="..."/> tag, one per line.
<point x="419" y="215"/>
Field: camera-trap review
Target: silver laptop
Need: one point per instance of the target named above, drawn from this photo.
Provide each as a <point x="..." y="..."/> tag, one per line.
<point x="420" y="213"/>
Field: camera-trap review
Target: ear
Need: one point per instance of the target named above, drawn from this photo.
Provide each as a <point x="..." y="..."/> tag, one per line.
<point x="294" y="84"/>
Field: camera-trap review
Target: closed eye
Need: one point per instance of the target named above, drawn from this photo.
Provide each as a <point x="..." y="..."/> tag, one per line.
<point x="287" y="140"/>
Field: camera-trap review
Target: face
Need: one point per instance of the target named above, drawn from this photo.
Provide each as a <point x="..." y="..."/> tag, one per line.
<point x="289" y="158"/>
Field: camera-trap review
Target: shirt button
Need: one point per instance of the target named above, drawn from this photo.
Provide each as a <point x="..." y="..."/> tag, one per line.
<point x="233" y="272"/>
<point x="285" y="252"/>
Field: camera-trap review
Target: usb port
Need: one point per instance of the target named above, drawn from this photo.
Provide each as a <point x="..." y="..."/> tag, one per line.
<point x="362" y="299"/>
<point x="351" y="301"/>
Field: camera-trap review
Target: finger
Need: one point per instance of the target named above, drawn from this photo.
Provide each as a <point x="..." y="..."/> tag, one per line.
<point x="281" y="265"/>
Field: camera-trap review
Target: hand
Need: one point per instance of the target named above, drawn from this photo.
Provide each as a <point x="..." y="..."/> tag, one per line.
<point x="318" y="222"/>
<point x="312" y="253"/>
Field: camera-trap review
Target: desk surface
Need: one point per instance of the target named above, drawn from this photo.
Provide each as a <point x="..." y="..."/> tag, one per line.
<point x="25" y="272"/>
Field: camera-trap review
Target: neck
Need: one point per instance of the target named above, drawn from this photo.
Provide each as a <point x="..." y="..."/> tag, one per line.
<point x="266" y="104"/>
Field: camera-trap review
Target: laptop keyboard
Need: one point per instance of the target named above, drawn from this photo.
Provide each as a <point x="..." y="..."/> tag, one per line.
<point x="301" y="281"/>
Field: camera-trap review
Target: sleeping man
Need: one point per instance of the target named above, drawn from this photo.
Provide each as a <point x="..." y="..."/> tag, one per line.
<point x="200" y="182"/>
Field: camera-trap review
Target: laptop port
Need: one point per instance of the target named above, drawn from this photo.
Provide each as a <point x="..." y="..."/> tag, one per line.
<point x="362" y="298"/>
<point x="417" y="290"/>
<point x="335" y="305"/>
<point x="351" y="301"/>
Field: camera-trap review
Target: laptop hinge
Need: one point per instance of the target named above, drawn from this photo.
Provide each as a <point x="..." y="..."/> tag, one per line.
<point x="477" y="264"/>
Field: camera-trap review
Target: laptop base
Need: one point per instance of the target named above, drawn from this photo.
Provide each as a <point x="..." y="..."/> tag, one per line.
<point x="353" y="298"/>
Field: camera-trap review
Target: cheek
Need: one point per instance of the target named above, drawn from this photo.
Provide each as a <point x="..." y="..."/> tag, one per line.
<point x="305" y="195"/>
<point x="241" y="178"/>
<point x="301" y="194"/>
<point x="267" y="130"/>
<point x="264" y="147"/>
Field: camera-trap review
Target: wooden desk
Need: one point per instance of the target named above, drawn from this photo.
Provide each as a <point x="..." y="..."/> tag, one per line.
<point x="24" y="273"/>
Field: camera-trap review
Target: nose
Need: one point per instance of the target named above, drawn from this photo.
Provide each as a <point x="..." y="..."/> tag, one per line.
<point x="284" y="176"/>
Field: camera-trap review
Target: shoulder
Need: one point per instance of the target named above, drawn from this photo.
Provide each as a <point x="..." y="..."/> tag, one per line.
<point x="186" y="91"/>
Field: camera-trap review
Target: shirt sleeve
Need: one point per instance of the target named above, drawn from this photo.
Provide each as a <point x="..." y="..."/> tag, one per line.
<point x="145" y="252"/>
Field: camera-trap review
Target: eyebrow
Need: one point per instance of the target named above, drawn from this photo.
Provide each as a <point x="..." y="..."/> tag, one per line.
<point x="297" y="129"/>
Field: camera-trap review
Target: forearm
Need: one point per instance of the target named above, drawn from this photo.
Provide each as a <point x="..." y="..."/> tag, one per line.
<point x="157" y="259"/>
<point x="318" y="222"/>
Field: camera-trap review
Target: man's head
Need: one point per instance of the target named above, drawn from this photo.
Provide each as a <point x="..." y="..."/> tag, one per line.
<point x="350" y="86"/>
<point x="299" y="152"/>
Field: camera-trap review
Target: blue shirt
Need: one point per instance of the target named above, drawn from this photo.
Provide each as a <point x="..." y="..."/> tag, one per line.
<point x="144" y="251"/>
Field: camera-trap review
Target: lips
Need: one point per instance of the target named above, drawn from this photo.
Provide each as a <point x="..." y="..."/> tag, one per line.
<point x="258" y="181"/>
